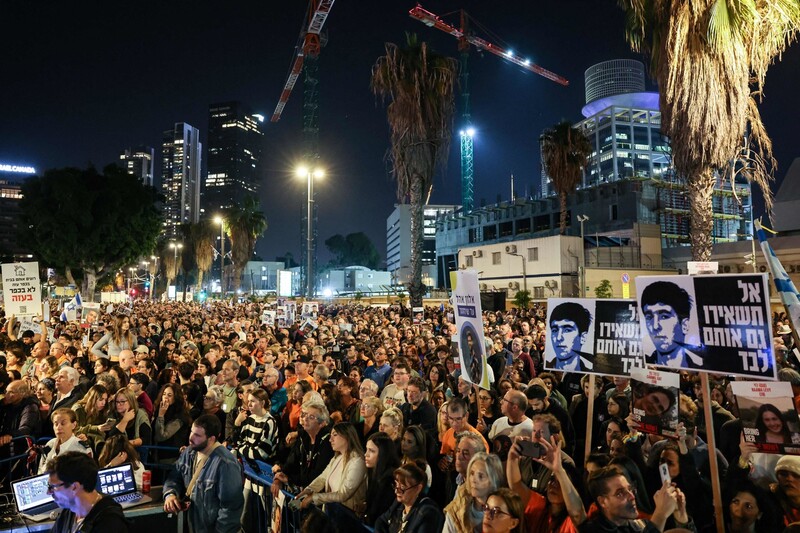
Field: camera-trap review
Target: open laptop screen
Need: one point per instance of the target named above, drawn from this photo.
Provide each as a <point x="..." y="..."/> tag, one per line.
<point x="116" y="480"/>
<point x="32" y="492"/>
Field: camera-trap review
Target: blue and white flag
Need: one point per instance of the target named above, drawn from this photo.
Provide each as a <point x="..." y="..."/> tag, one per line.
<point x="70" y="311"/>
<point x="783" y="283"/>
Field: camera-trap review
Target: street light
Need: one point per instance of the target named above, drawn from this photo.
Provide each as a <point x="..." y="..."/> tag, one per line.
<point x="153" y="277"/>
<point x="221" y="222"/>
<point x="524" y="270"/>
<point x="131" y="272"/>
<point x="175" y="247"/>
<point x="310" y="175"/>
<point x="582" y="271"/>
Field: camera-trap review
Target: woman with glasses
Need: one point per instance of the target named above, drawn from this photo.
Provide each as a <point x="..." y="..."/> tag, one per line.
<point x="131" y="420"/>
<point x="484" y="476"/>
<point x="212" y="403"/>
<point x="487" y="412"/>
<point x="344" y="480"/>
<point x="412" y="512"/>
<point x="503" y="513"/>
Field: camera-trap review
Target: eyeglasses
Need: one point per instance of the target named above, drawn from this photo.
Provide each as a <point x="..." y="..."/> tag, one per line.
<point x="492" y="512"/>
<point x="401" y="490"/>
<point x="622" y="494"/>
<point x="120" y="402"/>
<point x="308" y="415"/>
<point x="51" y="488"/>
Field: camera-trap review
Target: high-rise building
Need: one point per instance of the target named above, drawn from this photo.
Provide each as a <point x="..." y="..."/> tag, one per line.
<point x="180" y="177"/>
<point x="139" y="161"/>
<point x="234" y="152"/>
<point x="398" y="241"/>
<point x="623" y="123"/>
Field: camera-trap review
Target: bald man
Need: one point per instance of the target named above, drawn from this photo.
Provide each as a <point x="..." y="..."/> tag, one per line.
<point x="127" y="361"/>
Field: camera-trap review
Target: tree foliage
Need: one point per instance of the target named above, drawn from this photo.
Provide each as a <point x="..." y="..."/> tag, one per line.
<point x="419" y="85"/>
<point x="356" y="249"/>
<point x="564" y="153"/>
<point x="244" y="223"/>
<point x="522" y="299"/>
<point x="88" y="222"/>
<point x="710" y="60"/>
<point x="202" y="236"/>
<point x="604" y="290"/>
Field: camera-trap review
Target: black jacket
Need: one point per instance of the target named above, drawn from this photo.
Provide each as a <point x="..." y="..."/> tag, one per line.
<point x="21" y="419"/>
<point x="425" y="517"/>
<point x="105" y="516"/>
<point x="380" y="496"/>
<point x="306" y="461"/>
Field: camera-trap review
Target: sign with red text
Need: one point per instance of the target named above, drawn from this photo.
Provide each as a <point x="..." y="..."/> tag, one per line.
<point x="21" y="289"/>
<point x="768" y="415"/>
<point x="655" y="398"/>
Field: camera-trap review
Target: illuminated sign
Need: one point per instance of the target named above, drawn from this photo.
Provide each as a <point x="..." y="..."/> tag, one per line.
<point x="17" y="168"/>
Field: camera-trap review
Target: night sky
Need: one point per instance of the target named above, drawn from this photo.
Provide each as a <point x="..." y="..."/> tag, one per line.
<point x="83" y="80"/>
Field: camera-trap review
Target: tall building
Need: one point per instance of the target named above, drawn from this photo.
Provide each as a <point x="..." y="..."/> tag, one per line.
<point x="398" y="242"/>
<point x="623" y="123"/>
<point x="234" y="152"/>
<point x="180" y="177"/>
<point x="139" y="161"/>
<point x="10" y="196"/>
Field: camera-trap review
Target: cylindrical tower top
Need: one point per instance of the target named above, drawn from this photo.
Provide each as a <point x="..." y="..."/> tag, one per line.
<point x="609" y="78"/>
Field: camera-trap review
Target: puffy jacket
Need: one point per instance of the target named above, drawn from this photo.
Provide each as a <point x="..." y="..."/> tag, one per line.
<point x="217" y="499"/>
<point x="425" y="517"/>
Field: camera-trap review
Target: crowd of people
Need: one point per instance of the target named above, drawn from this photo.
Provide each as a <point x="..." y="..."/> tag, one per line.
<point x="365" y="418"/>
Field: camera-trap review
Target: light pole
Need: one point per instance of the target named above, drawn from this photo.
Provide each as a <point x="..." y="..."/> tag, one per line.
<point x="175" y="247"/>
<point x="524" y="271"/>
<point x="131" y="271"/>
<point x="153" y="272"/>
<point x="221" y="222"/>
<point x="582" y="271"/>
<point x="310" y="175"/>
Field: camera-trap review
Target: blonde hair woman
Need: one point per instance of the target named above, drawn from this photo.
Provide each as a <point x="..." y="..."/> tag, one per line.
<point x="370" y="410"/>
<point x="484" y="476"/>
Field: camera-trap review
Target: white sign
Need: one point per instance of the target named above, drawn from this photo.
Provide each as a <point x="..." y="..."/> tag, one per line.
<point x="702" y="267"/>
<point x="21" y="289"/>
<point x="469" y="325"/>
<point x="284" y="283"/>
<point x="19" y="169"/>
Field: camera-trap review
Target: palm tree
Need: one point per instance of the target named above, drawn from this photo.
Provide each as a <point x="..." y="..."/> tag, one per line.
<point x="710" y="59"/>
<point x="564" y="153"/>
<point x="202" y="236"/>
<point x="244" y="224"/>
<point x="419" y="85"/>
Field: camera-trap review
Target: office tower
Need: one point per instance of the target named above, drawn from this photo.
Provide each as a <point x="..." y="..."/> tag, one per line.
<point x="139" y="161"/>
<point x="180" y="177"/>
<point x="234" y="154"/>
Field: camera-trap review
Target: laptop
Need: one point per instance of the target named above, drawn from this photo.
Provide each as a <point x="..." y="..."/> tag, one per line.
<point x="32" y="499"/>
<point x="119" y="483"/>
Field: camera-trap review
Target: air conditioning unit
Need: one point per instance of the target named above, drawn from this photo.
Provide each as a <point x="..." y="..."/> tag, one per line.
<point x="511" y="249"/>
<point x="726" y="268"/>
<point x="483" y="286"/>
<point x="477" y="253"/>
<point x="513" y="285"/>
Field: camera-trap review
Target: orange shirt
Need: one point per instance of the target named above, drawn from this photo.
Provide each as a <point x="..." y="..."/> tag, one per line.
<point x="537" y="516"/>
<point x="289" y="383"/>
<point x="449" y="440"/>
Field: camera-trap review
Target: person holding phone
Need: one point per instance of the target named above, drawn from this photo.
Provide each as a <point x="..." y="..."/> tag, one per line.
<point x="94" y="416"/>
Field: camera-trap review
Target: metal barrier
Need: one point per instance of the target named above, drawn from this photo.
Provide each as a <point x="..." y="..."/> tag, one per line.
<point x="261" y="509"/>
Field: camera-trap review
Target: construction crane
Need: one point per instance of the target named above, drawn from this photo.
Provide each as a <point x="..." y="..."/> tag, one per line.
<point x="306" y="52"/>
<point x="465" y="39"/>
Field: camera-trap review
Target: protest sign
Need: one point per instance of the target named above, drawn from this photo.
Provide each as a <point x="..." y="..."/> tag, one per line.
<point x="22" y="293"/>
<point x="419" y="315"/>
<point x="592" y="336"/>
<point x="655" y="400"/>
<point x="90" y="313"/>
<point x="310" y="309"/>
<point x="30" y="324"/>
<point x="469" y="327"/>
<point x="268" y="317"/>
<point x="291" y="312"/>
<point x="768" y="415"/>
<point x="718" y="324"/>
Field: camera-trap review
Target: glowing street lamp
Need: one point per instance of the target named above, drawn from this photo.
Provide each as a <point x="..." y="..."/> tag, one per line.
<point x="309" y="174"/>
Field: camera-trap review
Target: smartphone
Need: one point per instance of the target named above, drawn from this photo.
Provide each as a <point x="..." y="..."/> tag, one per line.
<point x="530" y="449"/>
<point x="663" y="470"/>
<point x="543" y="434"/>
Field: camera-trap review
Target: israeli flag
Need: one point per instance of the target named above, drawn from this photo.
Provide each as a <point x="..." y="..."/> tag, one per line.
<point x="783" y="283"/>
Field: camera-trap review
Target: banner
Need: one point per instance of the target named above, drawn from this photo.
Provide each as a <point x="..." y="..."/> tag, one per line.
<point x="469" y="328"/>
<point x="22" y="293"/>
<point x="655" y="398"/>
<point x="268" y="317"/>
<point x="718" y="324"/>
<point x="90" y="313"/>
<point x="593" y="336"/>
<point x="768" y="415"/>
<point x="310" y="310"/>
<point x="419" y="315"/>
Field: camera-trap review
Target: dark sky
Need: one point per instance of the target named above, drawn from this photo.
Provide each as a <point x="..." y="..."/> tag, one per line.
<point x="83" y="80"/>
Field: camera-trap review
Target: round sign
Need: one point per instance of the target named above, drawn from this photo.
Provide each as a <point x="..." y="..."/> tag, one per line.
<point x="626" y="278"/>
